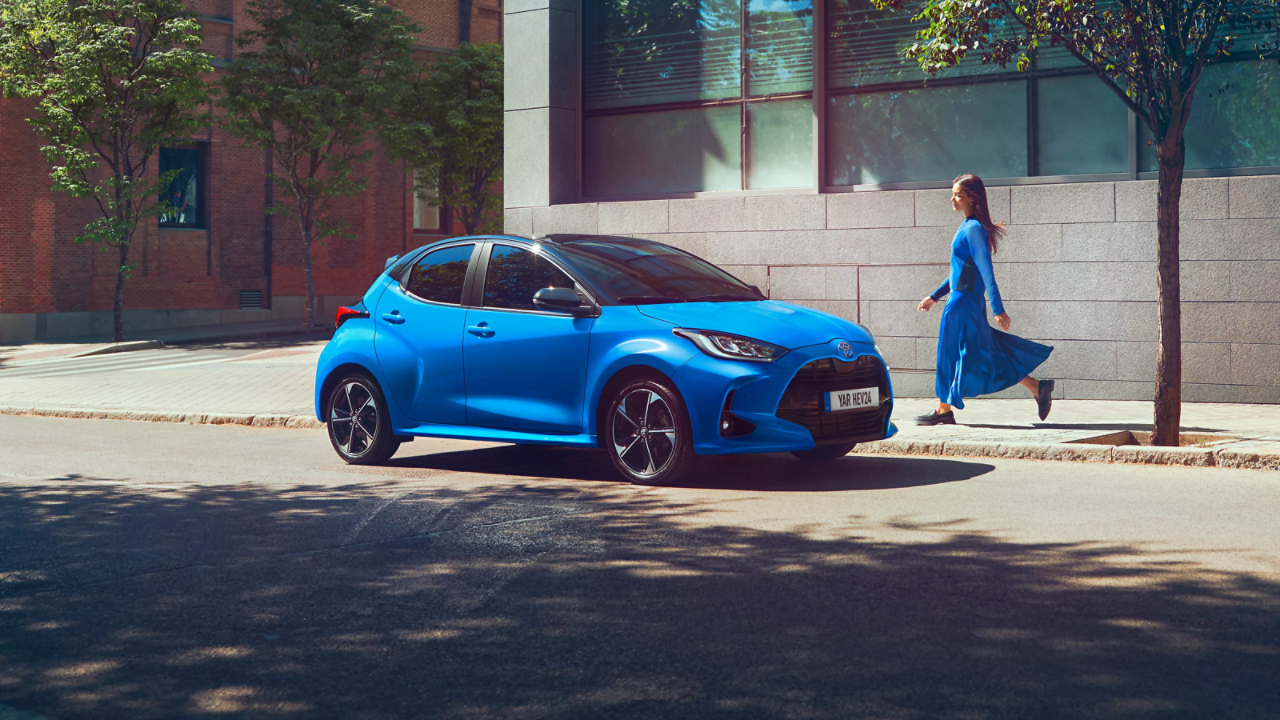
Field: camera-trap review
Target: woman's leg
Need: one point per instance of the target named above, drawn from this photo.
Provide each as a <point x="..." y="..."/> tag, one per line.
<point x="1031" y="384"/>
<point x="943" y="407"/>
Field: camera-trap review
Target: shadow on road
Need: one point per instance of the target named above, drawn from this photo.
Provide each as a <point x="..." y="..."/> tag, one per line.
<point x="775" y="472"/>
<point x="552" y="601"/>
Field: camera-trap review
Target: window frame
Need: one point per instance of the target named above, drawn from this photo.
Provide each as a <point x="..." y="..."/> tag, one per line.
<point x="467" y="280"/>
<point x="481" y="273"/>
<point x="445" y="227"/>
<point x="820" y="96"/>
<point x="201" y="148"/>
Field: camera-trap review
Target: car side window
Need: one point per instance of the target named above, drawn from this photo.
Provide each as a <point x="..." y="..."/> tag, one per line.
<point x="438" y="275"/>
<point x="515" y="274"/>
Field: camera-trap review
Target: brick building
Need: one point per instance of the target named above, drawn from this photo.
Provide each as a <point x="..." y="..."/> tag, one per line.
<point x="221" y="259"/>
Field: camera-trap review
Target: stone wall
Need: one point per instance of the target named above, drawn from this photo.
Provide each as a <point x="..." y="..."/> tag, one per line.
<point x="1076" y="271"/>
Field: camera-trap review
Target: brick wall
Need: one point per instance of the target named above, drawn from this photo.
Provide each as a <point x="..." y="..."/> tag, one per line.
<point x="42" y="269"/>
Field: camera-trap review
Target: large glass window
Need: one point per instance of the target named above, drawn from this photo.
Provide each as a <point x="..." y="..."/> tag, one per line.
<point x="677" y="92"/>
<point x="1083" y="127"/>
<point x="516" y="274"/>
<point x="182" y="198"/>
<point x="439" y="275"/>
<point x="1235" y="119"/>
<point x="426" y="215"/>
<point x="934" y="134"/>
<point x="717" y="95"/>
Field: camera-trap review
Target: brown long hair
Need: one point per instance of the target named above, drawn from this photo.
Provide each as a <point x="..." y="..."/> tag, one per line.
<point x="973" y="187"/>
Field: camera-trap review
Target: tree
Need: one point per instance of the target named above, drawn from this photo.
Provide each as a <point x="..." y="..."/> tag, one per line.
<point x="311" y="84"/>
<point x="114" y="79"/>
<point x="448" y="127"/>
<point x="1151" y="54"/>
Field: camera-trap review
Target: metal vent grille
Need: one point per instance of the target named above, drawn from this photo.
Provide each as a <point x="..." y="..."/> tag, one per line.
<point x="250" y="299"/>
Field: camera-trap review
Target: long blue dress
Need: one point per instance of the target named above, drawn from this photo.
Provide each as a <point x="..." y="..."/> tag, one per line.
<point x="975" y="358"/>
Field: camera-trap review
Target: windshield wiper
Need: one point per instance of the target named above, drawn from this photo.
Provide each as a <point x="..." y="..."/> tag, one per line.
<point x="724" y="298"/>
<point x="648" y="299"/>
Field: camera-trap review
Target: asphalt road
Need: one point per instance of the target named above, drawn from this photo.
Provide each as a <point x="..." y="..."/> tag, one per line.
<point x="166" y="571"/>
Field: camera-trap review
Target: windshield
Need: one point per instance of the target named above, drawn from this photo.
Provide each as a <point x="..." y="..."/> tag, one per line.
<point x="637" y="272"/>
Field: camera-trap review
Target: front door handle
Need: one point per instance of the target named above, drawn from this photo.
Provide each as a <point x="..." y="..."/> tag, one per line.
<point x="481" y="330"/>
<point x="393" y="317"/>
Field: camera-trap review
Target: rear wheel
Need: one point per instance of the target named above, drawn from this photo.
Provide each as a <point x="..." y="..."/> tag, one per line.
<point x="359" y="424"/>
<point x="824" y="453"/>
<point x="647" y="433"/>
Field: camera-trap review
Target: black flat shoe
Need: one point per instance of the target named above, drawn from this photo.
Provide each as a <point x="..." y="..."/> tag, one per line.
<point x="1044" y="397"/>
<point x="936" y="418"/>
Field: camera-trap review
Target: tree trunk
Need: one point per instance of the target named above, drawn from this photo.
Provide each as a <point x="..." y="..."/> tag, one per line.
<point x="311" y="281"/>
<point x="1171" y="155"/>
<point x="117" y="299"/>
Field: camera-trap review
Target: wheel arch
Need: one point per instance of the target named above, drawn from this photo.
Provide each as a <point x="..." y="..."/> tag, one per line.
<point x="620" y="378"/>
<point x="336" y="374"/>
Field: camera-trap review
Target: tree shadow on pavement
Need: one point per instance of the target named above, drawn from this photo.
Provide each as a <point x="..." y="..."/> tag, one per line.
<point x="573" y="601"/>
<point x="768" y="472"/>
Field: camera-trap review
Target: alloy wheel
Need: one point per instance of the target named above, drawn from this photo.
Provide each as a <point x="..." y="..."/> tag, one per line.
<point x="354" y="418"/>
<point x="644" y="433"/>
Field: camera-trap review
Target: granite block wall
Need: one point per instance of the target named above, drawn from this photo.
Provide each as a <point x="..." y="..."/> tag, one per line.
<point x="1076" y="270"/>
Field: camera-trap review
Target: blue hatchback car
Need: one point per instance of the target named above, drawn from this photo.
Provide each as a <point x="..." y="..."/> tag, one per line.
<point x="638" y="348"/>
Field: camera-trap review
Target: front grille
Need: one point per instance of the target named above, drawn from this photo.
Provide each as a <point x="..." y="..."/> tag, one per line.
<point x="802" y="402"/>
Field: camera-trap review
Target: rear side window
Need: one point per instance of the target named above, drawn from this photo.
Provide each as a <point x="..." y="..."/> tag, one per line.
<point x="438" y="275"/>
<point x="515" y="274"/>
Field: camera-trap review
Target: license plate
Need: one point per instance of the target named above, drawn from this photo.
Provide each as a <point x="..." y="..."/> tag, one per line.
<point x="845" y="400"/>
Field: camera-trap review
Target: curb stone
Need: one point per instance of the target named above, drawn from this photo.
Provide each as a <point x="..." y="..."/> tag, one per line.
<point x="1194" y="457"/>
<point x="299" y="422"/>
<point x="120" y="347"/>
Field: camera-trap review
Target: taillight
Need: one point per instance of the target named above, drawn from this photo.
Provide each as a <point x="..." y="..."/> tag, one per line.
<point x="346" y="313"/>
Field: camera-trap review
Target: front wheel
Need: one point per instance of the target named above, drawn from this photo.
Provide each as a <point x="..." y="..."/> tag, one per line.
<point x="359" y="423"/>
<point x="647" y="432"/>
<point x="824" y="453"/>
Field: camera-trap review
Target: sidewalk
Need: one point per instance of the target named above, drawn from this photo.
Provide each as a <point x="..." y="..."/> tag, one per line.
<point x="270" y="383"/>
<point x="90" y="344"/>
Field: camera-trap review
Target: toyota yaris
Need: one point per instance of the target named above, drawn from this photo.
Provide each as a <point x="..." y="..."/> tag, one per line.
<point x="631" y="346"/>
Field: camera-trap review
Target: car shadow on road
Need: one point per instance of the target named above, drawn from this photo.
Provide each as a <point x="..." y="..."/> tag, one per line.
<point x="775" y="472"/>
<point x="574" y="603"/>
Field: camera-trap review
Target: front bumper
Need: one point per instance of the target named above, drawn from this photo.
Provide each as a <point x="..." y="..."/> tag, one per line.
<point x="759" y="391"/>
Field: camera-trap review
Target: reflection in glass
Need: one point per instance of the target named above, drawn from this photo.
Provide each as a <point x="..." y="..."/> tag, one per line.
<point x="181" y="198"/>
<point x="645" y="52"/>
<point x="663" y="152"/>
<point x="864" y="46"/>
<point x="780" y="144"/>
<point x="1084" y="127"/>
<point x="779" y="46"/>
<point x="934" y="134"/>
<point x="439" y="274"/>
<point x="1235" y="119"/>
<point x="514" y="275"/>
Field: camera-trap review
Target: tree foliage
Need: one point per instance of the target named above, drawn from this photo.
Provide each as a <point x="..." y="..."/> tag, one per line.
<point x="312" y="83"/>
<point x="448" y="127"/>
<point x="113" y="79"/>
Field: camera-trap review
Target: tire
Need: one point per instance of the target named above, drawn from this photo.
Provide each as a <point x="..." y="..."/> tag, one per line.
<point x="367" y="438"/>
<point x="647" y="433"/>
<point x="824" y="453"/>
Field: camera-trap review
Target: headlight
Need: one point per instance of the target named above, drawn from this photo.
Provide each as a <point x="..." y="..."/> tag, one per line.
<point x="731" y="347"/>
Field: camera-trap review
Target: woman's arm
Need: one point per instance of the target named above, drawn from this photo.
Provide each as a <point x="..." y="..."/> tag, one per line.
<point x="977" y="237"/>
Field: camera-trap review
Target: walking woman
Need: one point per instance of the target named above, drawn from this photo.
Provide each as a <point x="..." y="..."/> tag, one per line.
<point x="973" y="357"/>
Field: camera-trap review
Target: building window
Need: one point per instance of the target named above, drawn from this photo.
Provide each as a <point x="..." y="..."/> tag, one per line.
<point x="426" y="217"/>
<point x="717" y="95"/>
<point x="182" y="202"/>
<point x="714" y="95"/>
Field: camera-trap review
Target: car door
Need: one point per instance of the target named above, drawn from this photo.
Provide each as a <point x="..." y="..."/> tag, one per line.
<point x="420" y="323"/>
<point x="525" y="368"/>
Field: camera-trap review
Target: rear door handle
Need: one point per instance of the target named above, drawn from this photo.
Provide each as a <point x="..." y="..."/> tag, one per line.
<point x="393" y="318"/>
<point x="481" y="330"/>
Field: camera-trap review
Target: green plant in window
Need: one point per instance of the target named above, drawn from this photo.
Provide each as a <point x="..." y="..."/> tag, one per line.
<point x="312" y="84"/>
<point x="1153" y="55"/>
<point x="112" y="79"/>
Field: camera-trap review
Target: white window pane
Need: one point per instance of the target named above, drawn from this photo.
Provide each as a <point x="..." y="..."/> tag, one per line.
<point x="425" y="215"/>
<point x="664" y="152"/>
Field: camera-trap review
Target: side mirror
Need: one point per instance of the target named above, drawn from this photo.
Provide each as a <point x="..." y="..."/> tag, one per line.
<point x="563" y="300"/>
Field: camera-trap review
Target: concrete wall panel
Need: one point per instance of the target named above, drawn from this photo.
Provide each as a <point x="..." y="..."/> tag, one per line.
<point x="1062" y="203"/>
<point x="628" y="218"/>
<point x="527" y="61"/>
<point x="786" y="212"/>
<point x="1202" y="199"/>
<point x="1255" y="197"/>
<point x="903" y="282"/>
<point x="698" y="215"/>
<point x="1230" y="240"/>
<point x="518" y="221"/>
<point x="933" y="207"/>
<point x="569" y="219"/>
<point x="798" y="283"/>
<point x="1129" y="241"/>
<point x="927" y="245"/>
<point x="895" y="208"/>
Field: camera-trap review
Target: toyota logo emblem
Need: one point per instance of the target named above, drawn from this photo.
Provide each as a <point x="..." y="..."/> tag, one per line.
<point x="845" y="349"/>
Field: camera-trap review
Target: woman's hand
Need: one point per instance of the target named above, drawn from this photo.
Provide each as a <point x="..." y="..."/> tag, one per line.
<point x="926" y="303"/>
<point x="1003" y="321"/>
